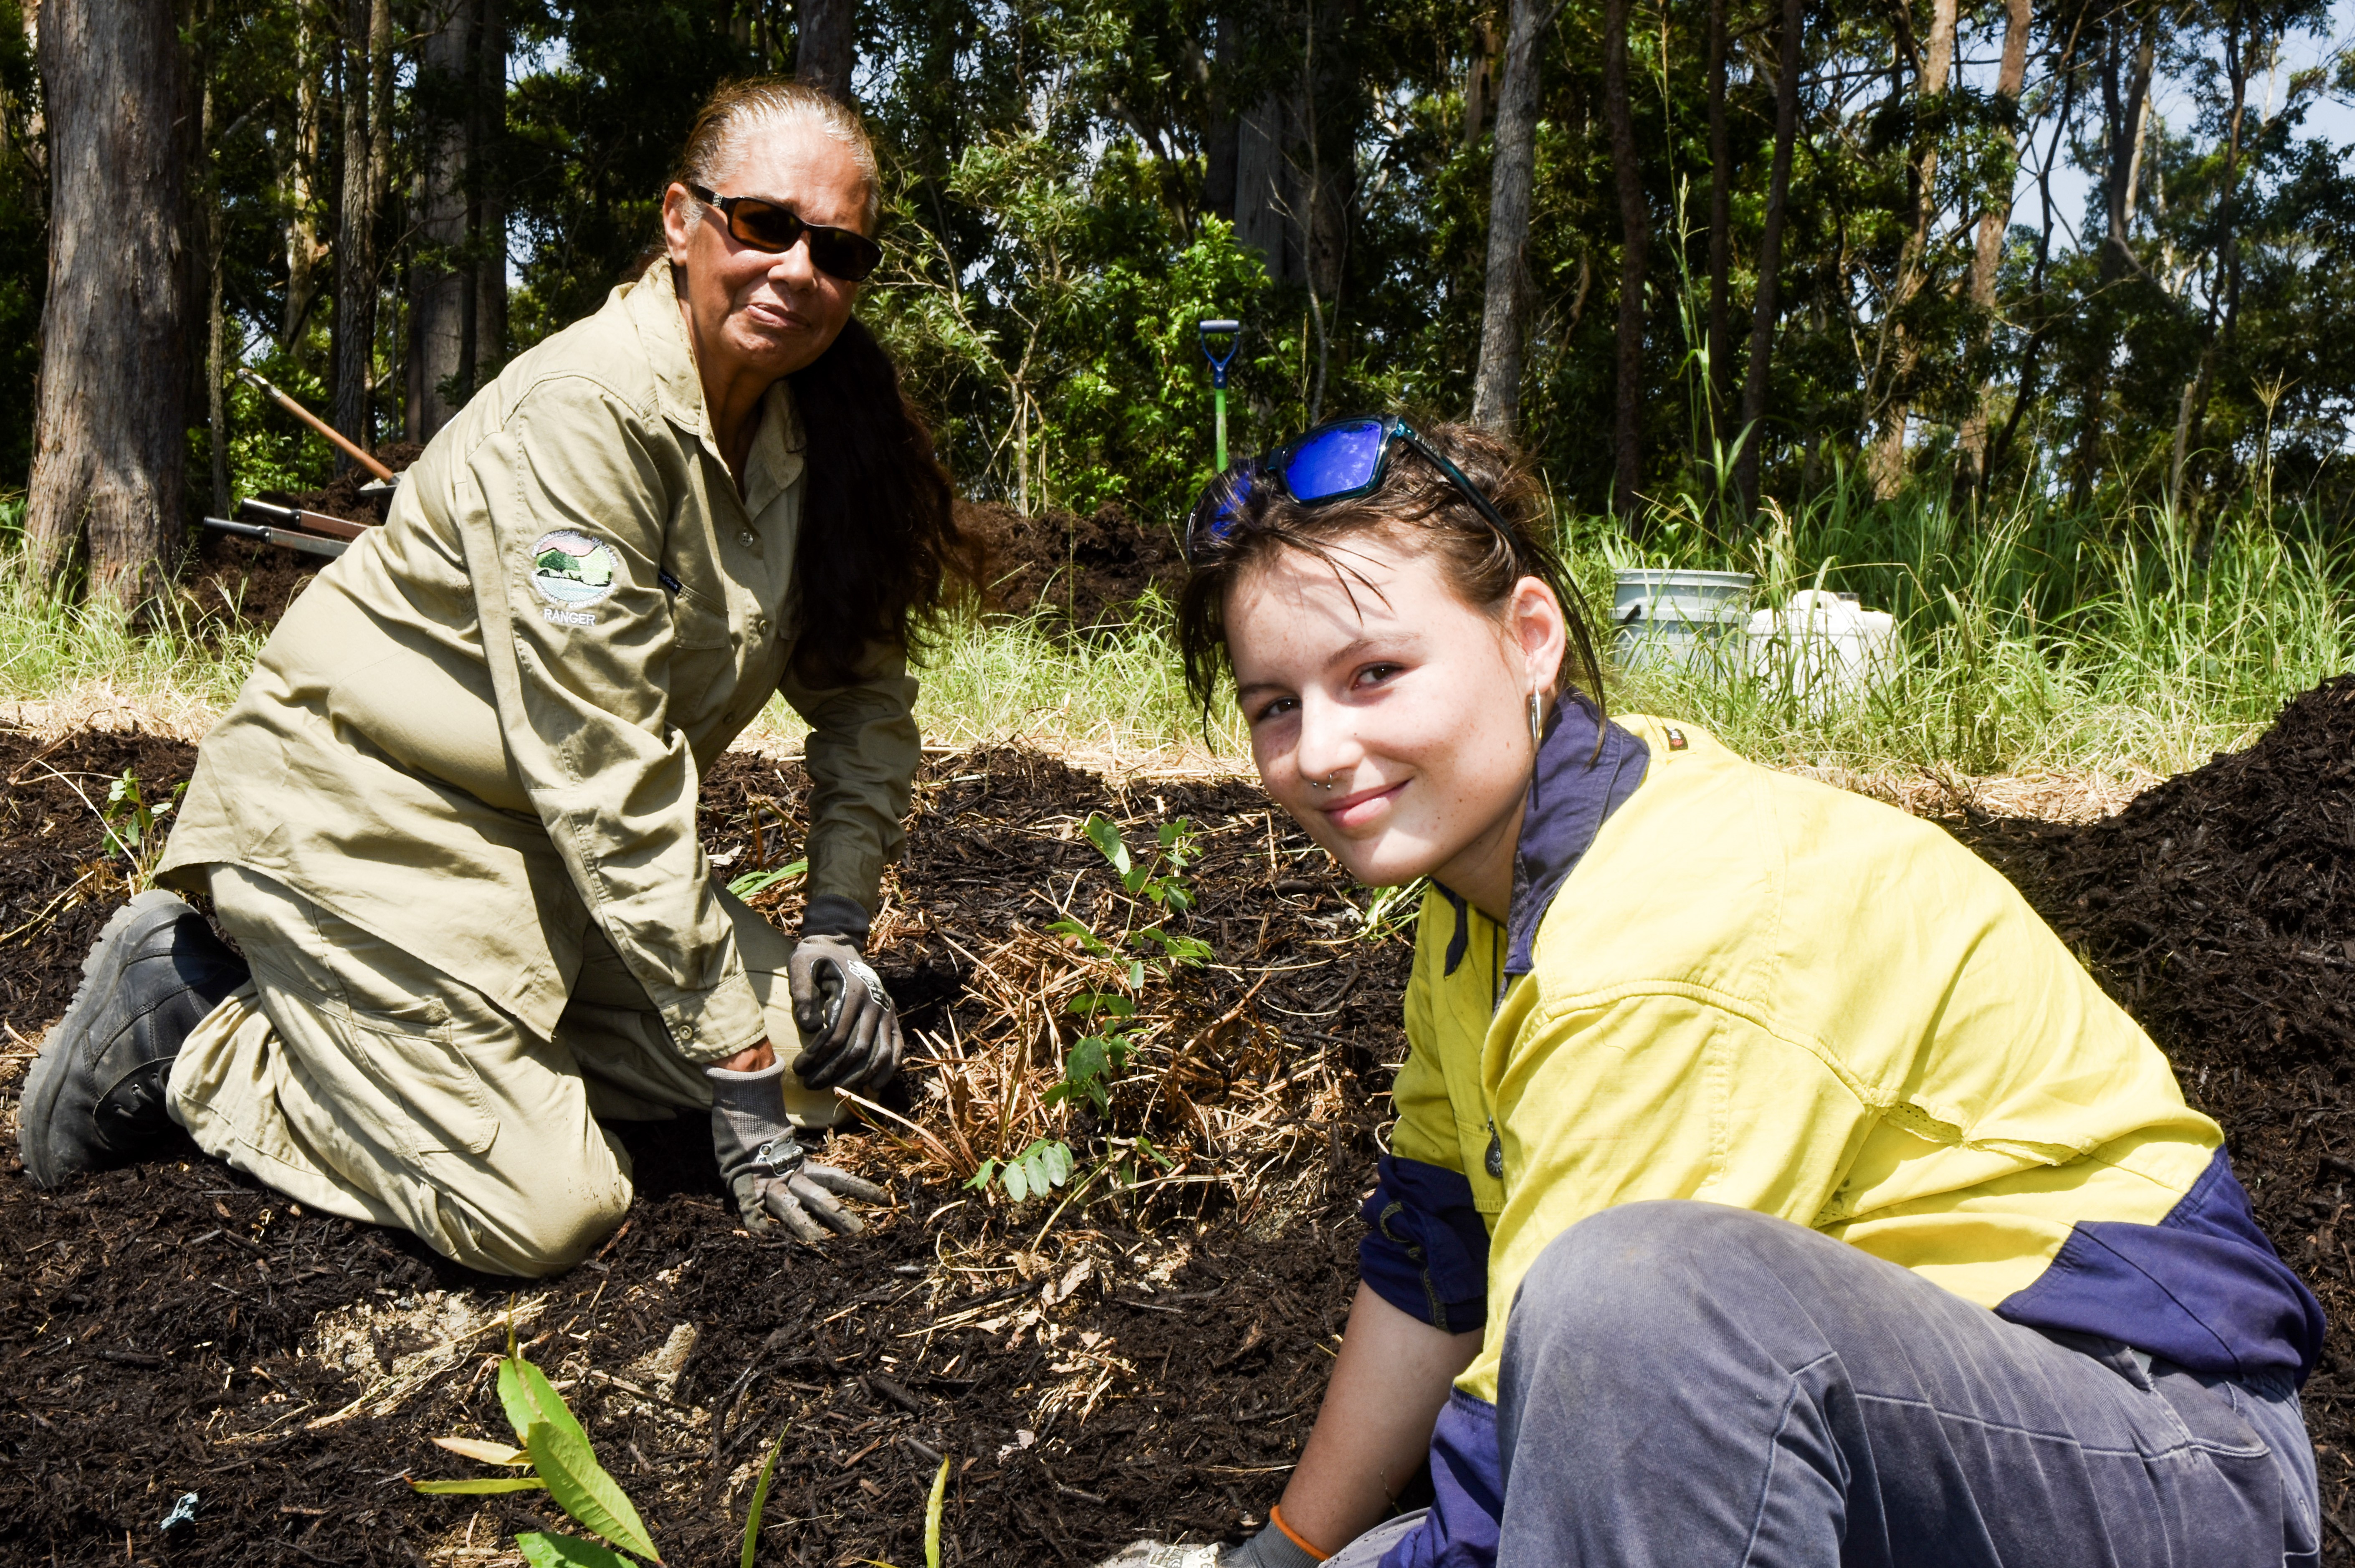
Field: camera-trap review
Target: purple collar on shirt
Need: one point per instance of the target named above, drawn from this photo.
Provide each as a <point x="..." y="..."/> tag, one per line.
<point x="1575" y="789"/>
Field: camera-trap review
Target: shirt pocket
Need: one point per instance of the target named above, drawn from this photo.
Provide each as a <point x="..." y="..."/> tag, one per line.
<point x="697" y="624"/>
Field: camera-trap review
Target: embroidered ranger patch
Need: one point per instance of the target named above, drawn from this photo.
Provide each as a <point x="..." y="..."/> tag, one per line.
<point x="572" y="571"/>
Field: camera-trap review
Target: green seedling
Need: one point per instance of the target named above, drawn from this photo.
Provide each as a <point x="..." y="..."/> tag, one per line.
<point x="1157" y="880"/>
<point x="1043" y="1166"/>
<point x="1389" y="910"/>
<point x="550" y="1444"/>
<point x="751" y="883"/>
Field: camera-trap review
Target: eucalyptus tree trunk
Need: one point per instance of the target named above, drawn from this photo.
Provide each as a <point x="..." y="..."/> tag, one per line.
<point x="1635" y="244"/>
<point x="305" y="250"/>
<point x="367" y="141"/>
<point x="828" y="47"/>
<point x="1504" y="315"/>
<point x="2011" y="78"/>
<point x="1757" y="376"/>
<point x="1720" y="219"/>
<point x="458" y="279"/>
<point x="2118" y="258"/>
<point x="208" y="193"/>
<point x="110" y="439"/>
<point x="1902" y="353"/>
<point x="2193" y="414"/>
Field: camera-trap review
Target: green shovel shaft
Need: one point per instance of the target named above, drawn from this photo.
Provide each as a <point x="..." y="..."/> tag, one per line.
<point x="1219" y="399"/>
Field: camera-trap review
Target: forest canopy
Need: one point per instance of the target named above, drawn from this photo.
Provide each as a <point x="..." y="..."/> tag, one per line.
<point x="2093" y="249"/>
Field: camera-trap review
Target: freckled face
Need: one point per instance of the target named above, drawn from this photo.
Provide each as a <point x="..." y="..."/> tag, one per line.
<point x="1411" y="704"/>
<point x="754" y="312"/>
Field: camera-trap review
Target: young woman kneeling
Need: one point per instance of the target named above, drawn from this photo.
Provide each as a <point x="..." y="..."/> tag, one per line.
<point x="1770" y="1186"/>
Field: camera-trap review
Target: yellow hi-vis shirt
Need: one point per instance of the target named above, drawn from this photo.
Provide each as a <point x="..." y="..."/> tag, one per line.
<point x="1759" y="990"/>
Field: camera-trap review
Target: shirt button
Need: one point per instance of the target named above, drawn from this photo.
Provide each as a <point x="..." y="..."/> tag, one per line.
<point x="747" y="538"/>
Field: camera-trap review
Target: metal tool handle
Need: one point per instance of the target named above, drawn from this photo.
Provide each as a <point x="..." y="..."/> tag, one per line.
<point x="286" y="539"/>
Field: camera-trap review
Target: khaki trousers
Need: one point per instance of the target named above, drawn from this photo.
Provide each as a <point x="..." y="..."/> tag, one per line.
<point x="362" y="1082"/>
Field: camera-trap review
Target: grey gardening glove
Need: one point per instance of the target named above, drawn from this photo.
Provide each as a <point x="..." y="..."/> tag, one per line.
<point x="1269" y="1549"/>
<point x="767" y="1170"/>
<point x="850" y="1031"/>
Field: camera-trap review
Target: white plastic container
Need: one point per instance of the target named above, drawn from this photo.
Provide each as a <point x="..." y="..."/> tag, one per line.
<point x="1678" y="617"/>
<point x="1823" y="648"/>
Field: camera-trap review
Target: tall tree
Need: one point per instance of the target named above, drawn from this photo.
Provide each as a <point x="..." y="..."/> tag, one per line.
<point x="1757" y="378"/>
<point x="367" y="56"/>
<point x="1505" y="310"/>
<point x="1901" y="348"/>
<point x="2122" y="124"/>
<point x="829" y="45"/>
<point x="304" y="248"/>
<point x="209" y="197"/>
<point x="1995" y="219"/>
<point x="110" y="443"/>
<point x="1635" y="244"/>
<point x="1720" y="217"/>
<point x="458" y="276"/>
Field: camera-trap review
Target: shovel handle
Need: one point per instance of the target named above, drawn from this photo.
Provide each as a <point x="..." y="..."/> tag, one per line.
<point x="351" y="449"/>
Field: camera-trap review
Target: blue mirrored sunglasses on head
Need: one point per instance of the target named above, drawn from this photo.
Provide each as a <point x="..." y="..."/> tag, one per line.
<point x="1336" y="461"/>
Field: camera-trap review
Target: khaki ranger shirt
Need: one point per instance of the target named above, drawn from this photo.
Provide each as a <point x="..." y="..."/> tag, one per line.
<point x="480" y="729"/>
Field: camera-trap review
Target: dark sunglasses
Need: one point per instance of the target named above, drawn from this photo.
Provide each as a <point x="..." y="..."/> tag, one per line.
<point x="763" y="225"/>
<point x="1336" y="461"/>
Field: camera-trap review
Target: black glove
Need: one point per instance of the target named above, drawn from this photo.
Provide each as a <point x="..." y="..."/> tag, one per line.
<point x="767" y="1170"/>
<point x="850" y="1031"/>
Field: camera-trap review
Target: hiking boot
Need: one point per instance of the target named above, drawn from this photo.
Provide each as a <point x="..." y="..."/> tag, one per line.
<point x="95" y="1096"/>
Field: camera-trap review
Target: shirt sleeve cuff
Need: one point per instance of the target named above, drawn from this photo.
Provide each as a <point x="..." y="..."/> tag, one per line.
<point x="1425" y="1250"/>
<point x="714" y="1025"/>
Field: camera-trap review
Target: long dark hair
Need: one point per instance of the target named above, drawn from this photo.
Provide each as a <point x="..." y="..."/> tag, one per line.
<point x="880" y="556"/>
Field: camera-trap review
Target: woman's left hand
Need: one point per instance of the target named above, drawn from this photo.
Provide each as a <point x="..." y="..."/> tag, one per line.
<point x="850" y="1030"/>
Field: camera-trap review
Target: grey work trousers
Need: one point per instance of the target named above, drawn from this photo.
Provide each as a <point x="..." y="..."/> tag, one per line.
<point x="357" y="1078"/>
<point x="1690" y="1384"/>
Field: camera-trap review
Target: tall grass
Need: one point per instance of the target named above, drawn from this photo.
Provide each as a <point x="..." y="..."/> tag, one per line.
<point x="2031" y="639"/>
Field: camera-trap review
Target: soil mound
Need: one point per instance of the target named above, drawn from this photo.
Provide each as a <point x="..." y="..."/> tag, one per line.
<point x="1085" y="573"/>
<point x="2219" y="909"/>
<point x="1082" y="573"/>
<point x="245" y="581"/>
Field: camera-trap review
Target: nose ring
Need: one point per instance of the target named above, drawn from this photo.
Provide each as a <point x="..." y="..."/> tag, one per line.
<point x="1326" y="782"/>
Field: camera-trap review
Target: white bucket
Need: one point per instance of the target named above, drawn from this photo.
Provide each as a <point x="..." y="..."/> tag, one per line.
<point x="1675" y="617"/>
<point x="1823" y="648"/>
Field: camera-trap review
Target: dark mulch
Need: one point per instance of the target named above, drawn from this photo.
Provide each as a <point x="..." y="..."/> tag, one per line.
<point x="2219" y="908"/>
<point x="155" y="1318"/>
<point x="161" y="1323"/>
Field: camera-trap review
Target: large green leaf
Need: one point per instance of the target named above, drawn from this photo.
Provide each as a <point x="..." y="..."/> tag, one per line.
<point x="1107" y="838"/>
<point x="480" y="1485"/>
<point x="529" y="1396"/>
<point x="582" y="1488"/>
<point x="568" y="1552"/>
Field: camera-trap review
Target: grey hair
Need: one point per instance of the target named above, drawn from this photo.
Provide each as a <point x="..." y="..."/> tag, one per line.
<point x="715" y="143"/>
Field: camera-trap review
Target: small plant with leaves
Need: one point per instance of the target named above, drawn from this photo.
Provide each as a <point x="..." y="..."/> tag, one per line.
<point x="1157" y="883"/>
<point x="552" y="1447"/>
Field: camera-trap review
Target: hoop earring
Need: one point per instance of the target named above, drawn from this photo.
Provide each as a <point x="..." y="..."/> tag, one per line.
<point x="1537" y="723"/>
